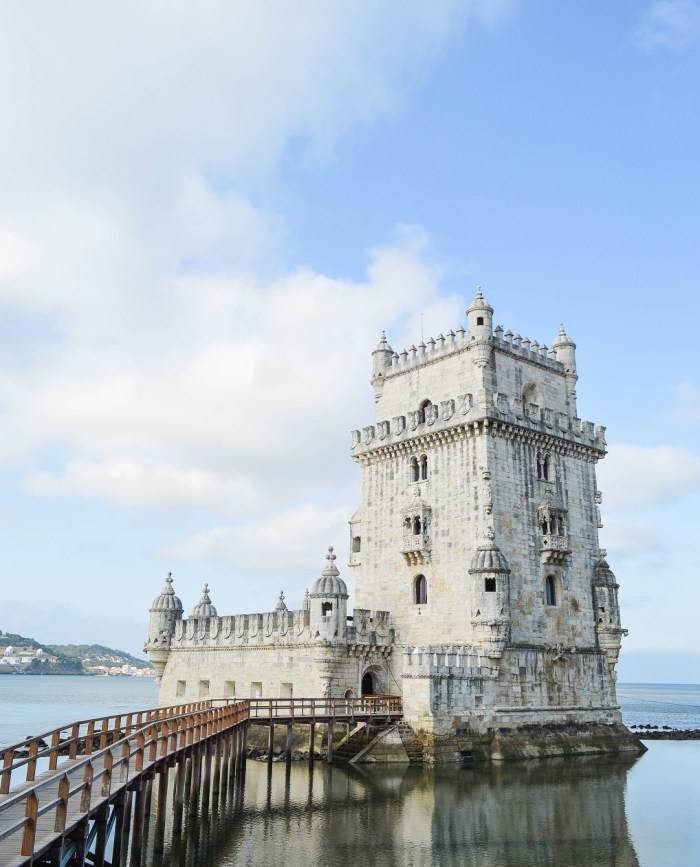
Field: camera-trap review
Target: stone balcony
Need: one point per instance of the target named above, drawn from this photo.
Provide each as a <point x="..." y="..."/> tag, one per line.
<point x="416" y="548"/>
<point x="554" y="548"/>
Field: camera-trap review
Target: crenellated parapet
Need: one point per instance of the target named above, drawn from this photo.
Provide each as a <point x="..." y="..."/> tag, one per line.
<point x="442" y="660"/>
<point x="461" y="414"/>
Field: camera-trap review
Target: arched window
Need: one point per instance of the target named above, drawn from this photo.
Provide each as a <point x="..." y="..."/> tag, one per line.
<point x="424" y="467"/>
<point x="550" y="595"/>
<point x="420" y="590"/>
<point x="356" y="544"/>
<point x="421" y="411"/>
<point x="415" y="470"/>
<point x="416" y="526"/>
<point x="546" y="468"/>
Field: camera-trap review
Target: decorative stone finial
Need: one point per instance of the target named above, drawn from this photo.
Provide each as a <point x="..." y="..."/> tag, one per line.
<point x="281" y="605"/>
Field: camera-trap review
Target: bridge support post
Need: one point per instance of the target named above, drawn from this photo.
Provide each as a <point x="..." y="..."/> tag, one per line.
<point x="137" y="829"/>
<point x="158" y="841"/>
<point x="189" y="762"/>
<point x="270" y="742"/>
<point x="330" y="741"/>
<point x="148" y="792"/>
<point x="126" y="825"/>
<point x="312" y="741"/>
<point x="206" y="782"/>
<point x="179" y="794"/>
<point x="216" y="783"/>
<point x="101" y="839"/>
<point x="288" y="746"/>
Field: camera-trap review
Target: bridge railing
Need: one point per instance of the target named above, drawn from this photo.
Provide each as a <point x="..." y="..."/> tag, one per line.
<point x="324" y="708"/>
<point x="80" y="738"/>
<point x="155" y="739"/>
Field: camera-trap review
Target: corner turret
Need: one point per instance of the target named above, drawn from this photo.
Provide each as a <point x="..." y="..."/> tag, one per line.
<point x="164" y="613"/>
<point x="607" y="614"/>
<point x="480" y="318"/>
<point x="381" y="359"/>
<point x="490" y="594"/>
<point x="565" y="351"/>
<point x="329" y="603"/>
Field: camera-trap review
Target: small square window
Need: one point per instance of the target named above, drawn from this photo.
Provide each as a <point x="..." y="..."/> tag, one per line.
<point x="180" y="688"/>
<point x="203" y="688"/>
<point x="229" y="689"/>
<point x="479" y="320"/>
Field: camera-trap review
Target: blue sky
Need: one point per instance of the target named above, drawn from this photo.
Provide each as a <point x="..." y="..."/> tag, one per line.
<point x="206" y="218"/>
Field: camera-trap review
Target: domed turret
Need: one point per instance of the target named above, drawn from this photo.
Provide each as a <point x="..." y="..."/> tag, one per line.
<point x="165" y="611"/>
<point x="166" y="599"/>
<point x="328" y="602"/>
<point x="490" y="591"/>
<point x="281" y="604"/>
<point x="565" y="352"/>
<point x="381" y="357"/>
<point x="480" y="317"/>
<point x="204" y="607"/>
<point x="607" y="613"/>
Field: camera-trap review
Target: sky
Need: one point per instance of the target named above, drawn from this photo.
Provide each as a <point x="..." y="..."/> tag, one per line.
<point x="209" y="211"/>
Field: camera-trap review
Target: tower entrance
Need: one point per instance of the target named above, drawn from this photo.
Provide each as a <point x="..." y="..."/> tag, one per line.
<point x="369" y="686"/>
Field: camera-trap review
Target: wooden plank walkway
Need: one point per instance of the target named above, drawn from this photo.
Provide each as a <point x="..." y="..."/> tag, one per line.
<point x="94" y="775"/>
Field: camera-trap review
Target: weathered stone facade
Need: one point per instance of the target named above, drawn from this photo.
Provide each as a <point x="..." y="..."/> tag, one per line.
<point x="485" y="600"/>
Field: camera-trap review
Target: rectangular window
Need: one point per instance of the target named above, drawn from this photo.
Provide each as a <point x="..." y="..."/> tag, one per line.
<point x="285" y="690"/>
<point x="203" y="688"/>
<point x="256" y="689"/>
<point x="489" y="585"/>
<point x="180" y="688"/>
<point x="229" y="689"/>
<point x="326" y="609"/>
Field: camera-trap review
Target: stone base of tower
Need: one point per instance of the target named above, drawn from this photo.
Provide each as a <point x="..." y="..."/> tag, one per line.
<point x="531" y="702"/>
<point x="526" y="742"/>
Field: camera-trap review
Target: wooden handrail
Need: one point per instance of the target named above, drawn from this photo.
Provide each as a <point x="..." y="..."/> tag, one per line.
<point x="154" y="736"/>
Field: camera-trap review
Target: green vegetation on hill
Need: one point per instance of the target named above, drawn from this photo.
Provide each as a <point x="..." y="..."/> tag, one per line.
<point x="97" y="654"/>
<point x="70" y="658"/>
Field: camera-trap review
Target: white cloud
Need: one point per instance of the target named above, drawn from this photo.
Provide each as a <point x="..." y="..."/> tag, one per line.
<point x="187" y="362"/>
<point x="135" y="483"/>
<point x="670" y="23"/>
<point x="286" y="541"/>
<point x="239" y="391"/>
<point x="633" y="476"/>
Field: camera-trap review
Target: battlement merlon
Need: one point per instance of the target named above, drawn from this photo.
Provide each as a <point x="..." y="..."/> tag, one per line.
<point x="461" y="416"/>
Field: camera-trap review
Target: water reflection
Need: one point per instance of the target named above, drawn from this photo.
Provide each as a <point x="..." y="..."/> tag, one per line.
<point x="554" y="812"/>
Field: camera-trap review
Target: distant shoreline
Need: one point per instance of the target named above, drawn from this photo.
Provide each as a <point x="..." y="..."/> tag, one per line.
<point x="70" y="674"/>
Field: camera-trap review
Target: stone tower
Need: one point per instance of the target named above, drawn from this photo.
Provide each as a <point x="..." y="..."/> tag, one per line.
<point x="478" y="530"/>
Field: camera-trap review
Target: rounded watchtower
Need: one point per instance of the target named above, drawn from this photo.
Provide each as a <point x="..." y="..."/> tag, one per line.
<point x="329" y="603"/>
<point x="164" y="613"/>
<point x="480" y="318"/>
<point x="490" y="615"/>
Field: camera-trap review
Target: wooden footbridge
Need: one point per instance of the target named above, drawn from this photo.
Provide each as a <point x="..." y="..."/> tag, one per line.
<point x="81" y="794"/>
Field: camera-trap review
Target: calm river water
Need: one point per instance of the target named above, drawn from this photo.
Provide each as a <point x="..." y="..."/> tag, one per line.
<point x="564" y="813"/>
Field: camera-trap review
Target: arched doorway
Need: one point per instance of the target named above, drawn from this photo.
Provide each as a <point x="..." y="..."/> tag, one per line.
<point x="368" y="684"/>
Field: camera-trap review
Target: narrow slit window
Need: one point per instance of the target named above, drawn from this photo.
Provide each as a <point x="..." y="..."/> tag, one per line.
<point x="550" y="590"/>
<point x="424" y="467"/>
<point x="420" y="590"/>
